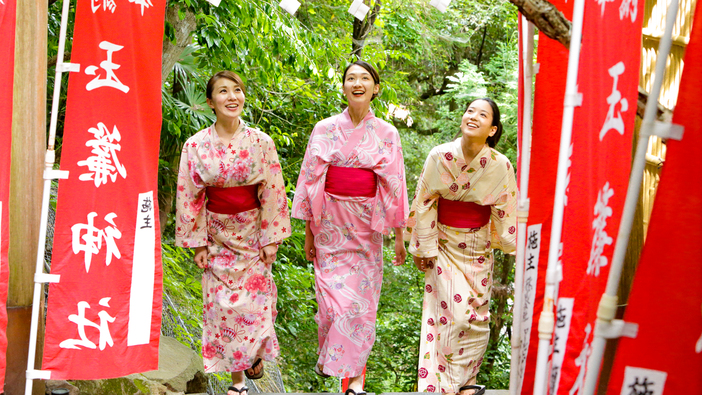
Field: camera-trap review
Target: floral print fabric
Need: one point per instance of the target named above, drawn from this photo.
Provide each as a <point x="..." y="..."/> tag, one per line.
<point x="455" y="319"/>
<point x="238" y="289"/>
<point x="348" y="233"/>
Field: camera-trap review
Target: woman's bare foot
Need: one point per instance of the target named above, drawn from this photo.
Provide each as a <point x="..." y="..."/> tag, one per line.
<point x="238" y="386"/>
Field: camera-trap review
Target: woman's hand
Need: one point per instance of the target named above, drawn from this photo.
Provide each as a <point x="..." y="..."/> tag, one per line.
<point x="424" y="264"/>
<point x="310" y="251"/>
<point x="201" y="257"/>
<point x="267" y="253"/>
<point x="400" y="252"/>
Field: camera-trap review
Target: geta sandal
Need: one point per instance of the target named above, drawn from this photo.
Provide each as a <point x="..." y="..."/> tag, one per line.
<point x="254" y="376"/>
<point x="479" y="389"/>
<point x="238" y="390"/>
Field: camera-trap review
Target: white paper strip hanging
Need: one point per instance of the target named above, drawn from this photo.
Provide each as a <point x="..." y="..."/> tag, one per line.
<point x="358" y="9"/>
<point x="290" y="6"/>
<point x="214" y="2"/>
<point x="440" y="5"/>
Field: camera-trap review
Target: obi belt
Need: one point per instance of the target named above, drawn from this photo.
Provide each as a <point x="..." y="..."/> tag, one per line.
<point x="351" y="181"/>
<point x="459" y="214"/>
<point x="232" y="200"/>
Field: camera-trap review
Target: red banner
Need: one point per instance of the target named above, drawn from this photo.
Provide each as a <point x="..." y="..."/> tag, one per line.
<point x="546" y="131"/>
<point x="7" y="71"/>
<point x="603" y="129"/>
<point x="666" y="358"/>
<point x="104" y="315"/>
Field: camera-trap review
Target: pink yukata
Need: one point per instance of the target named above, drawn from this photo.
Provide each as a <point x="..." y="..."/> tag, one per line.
<point x="456" y="309"/>
<point x="237" y="287"/>
<point x="348" y="233"/>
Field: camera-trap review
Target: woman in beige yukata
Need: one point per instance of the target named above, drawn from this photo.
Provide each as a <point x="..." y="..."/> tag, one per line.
<point x="232" y="209"/>
<point x="465" y="207"/>
<point x="350" y="192"/>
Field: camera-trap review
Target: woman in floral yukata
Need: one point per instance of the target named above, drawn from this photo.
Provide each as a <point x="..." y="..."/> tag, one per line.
<point x="465" y="207"/>
<point x="350" y="192"/>
<point x="232" y="209"/>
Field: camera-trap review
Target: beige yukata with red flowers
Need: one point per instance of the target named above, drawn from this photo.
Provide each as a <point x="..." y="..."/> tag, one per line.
<point x="456" y="309"/>
<point x="237" y="287"/>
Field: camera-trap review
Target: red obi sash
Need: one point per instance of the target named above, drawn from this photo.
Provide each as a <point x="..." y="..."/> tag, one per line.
<point x="232" y="200"/>
<point x="351" y="181"/>
<point x="459" y="214"/>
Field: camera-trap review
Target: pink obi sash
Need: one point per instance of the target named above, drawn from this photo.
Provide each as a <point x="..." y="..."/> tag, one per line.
<point x="232" y="200"/>
<point x="459" y="214"/>
<point x="351" y="181"/>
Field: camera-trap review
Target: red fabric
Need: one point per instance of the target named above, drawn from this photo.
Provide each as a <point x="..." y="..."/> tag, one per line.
<point x="113" y="288"/>
<point x="603" y="128"/>
<point x="463" y="214"/>
<point x="232" y="200"/>
<point x="667" y="292"/>
<point x="549" y="89"/>
<point x="7" y="69"/>
<point x="351" y="181"/>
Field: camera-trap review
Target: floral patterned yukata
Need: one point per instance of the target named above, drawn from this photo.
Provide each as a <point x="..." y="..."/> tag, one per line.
<point x="238" y="289"/>
<point x="348" y="233"/>
<point x="456" y="315"/>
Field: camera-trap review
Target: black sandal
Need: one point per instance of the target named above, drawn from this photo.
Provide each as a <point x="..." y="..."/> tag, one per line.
<point x="352" y="392"/>
<point x="237" y="390"/>
<point x="479" y="389"/>
<point x="254" y="376"/>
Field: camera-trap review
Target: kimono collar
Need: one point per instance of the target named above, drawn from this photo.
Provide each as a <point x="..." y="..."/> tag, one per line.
<point x="345" y="119"/>
<point x="214" y="137"/>
<point x="484" y="152"/>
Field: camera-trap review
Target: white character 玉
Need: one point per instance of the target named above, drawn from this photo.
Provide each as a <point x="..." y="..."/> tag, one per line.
<point x="93" y="237"/>
<point x="104" y="152"/>
<point x="110" y="79"/>
<point x="80" y="320"/>
<point x="106" y="5"/>
<point x="615" y="121"/>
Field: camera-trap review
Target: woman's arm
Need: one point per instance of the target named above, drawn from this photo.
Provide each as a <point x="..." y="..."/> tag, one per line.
<point x="400" y="251"/>
<point x="310" y="250"/>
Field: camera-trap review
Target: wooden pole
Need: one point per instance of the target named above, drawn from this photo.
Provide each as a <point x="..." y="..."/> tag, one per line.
<point x="28" y="146"/>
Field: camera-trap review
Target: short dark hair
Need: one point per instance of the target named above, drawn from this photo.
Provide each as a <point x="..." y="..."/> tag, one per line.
<point x="495" y="138"/>
<point x="230" y="75"/>
<point x="373" y="72"/>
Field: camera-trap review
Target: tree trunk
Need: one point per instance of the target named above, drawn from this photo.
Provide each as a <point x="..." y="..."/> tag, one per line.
<point x="26" y="187"/>
<point x="361" y="29"/>
<point x="183" y="29"/>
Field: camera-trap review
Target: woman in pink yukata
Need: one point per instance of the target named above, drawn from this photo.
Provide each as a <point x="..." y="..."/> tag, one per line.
<point x="350" y="192"/>
<point x="232" y="209"/>
<point x="465" y="207"/>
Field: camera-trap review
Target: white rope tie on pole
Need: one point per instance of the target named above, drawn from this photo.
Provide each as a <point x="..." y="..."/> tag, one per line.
<point x="49" y="174"/>
<point x="553" y="272"/>
<point x="522" y="209"/>
<point x="608" y="304"/>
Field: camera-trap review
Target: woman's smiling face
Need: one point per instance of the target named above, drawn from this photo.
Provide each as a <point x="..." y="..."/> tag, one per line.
<point x="227" y="99"/>
<point x="359" y="86"/>
<point x="477" y="121"/>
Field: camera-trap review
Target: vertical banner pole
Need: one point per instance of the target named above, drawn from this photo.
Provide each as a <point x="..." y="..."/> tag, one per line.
<point x="522" y="207"/>
<point x="546" y="319"/>
<point x="608" y="304"/>
<point x="48" y="173"/>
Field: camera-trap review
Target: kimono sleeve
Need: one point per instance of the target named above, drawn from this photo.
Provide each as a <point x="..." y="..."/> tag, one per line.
<point x="309" y="182"/>
<point x="391" y="206"/>
<point x="191" y="220"/>
<point x="503" y="215"/>
<point x="274" y="215"/>
<point x="421" y="231"/>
